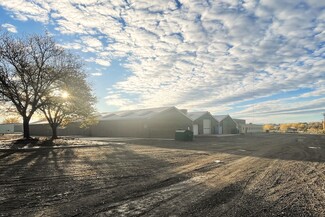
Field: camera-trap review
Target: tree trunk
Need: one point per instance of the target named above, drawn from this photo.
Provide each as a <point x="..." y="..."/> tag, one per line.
<point x="54" y="130"/>
<point x="26" y="127"/>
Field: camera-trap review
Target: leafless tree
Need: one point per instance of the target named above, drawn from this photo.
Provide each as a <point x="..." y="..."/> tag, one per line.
<point x="29" y="66"/>
<point x="71" y="100"/>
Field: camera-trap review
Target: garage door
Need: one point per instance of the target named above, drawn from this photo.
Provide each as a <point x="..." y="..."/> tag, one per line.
<point x="196" y="129"/>
<point x="206" y="126"/>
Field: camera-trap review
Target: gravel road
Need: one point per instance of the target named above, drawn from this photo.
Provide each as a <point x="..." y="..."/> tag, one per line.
<point x="246" y="175"/>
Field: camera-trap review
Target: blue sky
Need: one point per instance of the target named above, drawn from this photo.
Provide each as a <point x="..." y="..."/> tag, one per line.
<point x="262" y="60"/>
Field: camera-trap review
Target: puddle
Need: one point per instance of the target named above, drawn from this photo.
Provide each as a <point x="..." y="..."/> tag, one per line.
<point x="242" y="150"/>
<point x="218" y="161"/>
<point x="314" y="147"/>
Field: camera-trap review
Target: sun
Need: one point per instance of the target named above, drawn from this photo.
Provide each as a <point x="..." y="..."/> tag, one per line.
<point x="65" y="94"/>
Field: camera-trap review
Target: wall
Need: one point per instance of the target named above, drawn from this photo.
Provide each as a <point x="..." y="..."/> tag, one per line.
<point x="7" y="128"/>
<point x="165" y="124"/>
<point x="120" y="128"/>
<point x="229" y="126"/>
<point x="252" y="128"/>
<point x="71" y="129"/>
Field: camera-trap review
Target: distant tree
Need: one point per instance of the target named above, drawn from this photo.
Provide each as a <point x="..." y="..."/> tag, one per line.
<point x="70" y="100"/>
<point x="268" y="127"/>
<point x="302" y="127"/>
<point x="294" y="125"/>
<point x="29" y="66"/>
<point x="11" y="120"/>
<point x="284" y="127"/>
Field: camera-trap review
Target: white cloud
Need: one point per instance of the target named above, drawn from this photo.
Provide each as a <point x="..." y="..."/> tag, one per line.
<point x="97" y="74"/>
<point x="91" y="42"/>
<point x="9" y="27"/>
<point x="204" y="55"/>
<point x="24" y="10"/>
<point x="101" y="62"/>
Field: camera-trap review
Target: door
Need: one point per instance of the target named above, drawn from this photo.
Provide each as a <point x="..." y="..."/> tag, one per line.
<point x="220" y="129"/>
<point x="195" y="129"/>
<point x="206" y="126"/>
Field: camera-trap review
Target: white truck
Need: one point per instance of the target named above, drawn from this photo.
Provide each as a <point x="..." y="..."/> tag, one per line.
<point x="10" y="128"/>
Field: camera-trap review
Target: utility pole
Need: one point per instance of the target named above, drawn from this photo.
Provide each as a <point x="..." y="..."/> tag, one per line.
<point x="324" y="122"/>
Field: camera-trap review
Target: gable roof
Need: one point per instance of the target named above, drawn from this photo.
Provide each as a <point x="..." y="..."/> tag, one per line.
<point x="135" y="114"/>
<point x="220" y="117"/>
<point x="196" y="115"/>
<point x="239" y="121"/>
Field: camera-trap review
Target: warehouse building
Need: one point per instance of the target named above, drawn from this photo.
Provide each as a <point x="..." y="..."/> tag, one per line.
<point x="203" y="123"/>
<point x="239" y="124"/>
<point x="251" y="128"/>
<point x="42" y="128"/>
<point x="226" y="124"/>
<point x="144" y="123"/>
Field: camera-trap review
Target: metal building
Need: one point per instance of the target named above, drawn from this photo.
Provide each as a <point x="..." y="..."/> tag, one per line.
<point x="226" y="124"/>
<point x="144" y="123"/>
<point x="203" y="123"/>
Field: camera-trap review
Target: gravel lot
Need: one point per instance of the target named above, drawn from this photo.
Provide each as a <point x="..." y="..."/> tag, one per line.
<point x="246" y="175"/>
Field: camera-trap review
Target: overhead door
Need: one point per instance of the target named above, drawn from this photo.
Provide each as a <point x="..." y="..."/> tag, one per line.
<point x="206" y="126"/>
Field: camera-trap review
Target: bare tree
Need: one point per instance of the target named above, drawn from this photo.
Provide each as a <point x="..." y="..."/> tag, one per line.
<point x="11" y="120"/>
<point x="29" y="66"/>
<point x="71" y="100"/>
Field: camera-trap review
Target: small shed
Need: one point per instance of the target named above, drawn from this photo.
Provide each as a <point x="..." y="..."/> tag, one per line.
<point x="203" y="123"/>
<point x="11" y="128"/>
<point x="226" y="124"/>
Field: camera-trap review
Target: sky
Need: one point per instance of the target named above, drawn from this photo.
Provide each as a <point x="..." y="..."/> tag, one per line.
<point x="261" y="60"/>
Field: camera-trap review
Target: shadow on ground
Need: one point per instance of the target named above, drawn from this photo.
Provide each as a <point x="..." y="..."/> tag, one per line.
<point x="157" y="178"/>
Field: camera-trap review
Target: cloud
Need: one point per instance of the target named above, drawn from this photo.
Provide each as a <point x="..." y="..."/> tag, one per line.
<point x="102" y="62"/>
<point x="197" y="54"/>
<point x="24" y="10"/>
<point x="97" y="74"/>
<point x="9" y="27"/>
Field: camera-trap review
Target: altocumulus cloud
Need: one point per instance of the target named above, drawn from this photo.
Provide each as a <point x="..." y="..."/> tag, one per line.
<point x="9" y="27"/>
<point x="199" y="54"/>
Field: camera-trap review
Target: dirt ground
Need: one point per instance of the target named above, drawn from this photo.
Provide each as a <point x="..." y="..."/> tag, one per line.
<point x="246" y="175"/>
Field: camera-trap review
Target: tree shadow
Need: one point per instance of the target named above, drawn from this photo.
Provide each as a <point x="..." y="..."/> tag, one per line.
<point x="116" y="180"/>
<point x="31" y="177"/>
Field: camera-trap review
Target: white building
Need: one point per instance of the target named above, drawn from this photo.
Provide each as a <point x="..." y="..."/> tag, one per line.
<point x="10" y="128"/>
<point x="251" y="128"/>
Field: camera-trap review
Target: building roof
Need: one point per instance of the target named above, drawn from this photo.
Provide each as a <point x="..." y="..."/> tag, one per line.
<point x="39" y="122"/>
<point x="220" y="117"/>
<point x="196" y="115"/>
<point x="134" y="114"/>
<point x="239" y="121"/>
<point x="129" y="114"/>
